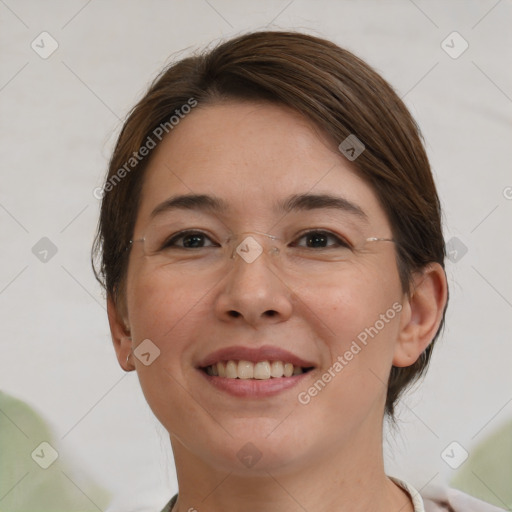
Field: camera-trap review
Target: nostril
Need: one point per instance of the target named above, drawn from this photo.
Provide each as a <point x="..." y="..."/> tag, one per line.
<point x="236" y="314"/>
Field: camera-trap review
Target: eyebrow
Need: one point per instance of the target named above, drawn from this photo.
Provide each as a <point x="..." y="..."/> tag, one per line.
<point x="296" y="202"/>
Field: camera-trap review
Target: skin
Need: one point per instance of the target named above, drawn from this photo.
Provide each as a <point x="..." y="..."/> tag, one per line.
<point x="323" y="456"/>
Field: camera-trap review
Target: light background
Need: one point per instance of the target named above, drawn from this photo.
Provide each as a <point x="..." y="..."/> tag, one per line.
<point x="58" y="121"/>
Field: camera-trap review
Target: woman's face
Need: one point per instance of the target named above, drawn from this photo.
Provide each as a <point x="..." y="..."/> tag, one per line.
<point x="340" y="317"/>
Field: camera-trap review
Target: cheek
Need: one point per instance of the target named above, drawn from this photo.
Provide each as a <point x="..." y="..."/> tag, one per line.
<point x="167" y="312"/>
<point x="355" y="300"/>
<point x="362" y="313"/>
<point x="358" y="315"/>
<point x="158" y="304"/>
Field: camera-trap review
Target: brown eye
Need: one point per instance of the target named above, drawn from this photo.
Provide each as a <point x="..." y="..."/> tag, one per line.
<point x="319" y="240"/>
<point x="189" y="239"/>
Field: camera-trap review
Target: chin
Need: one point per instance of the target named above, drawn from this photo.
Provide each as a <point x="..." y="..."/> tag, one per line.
<point x="253" y="453"/>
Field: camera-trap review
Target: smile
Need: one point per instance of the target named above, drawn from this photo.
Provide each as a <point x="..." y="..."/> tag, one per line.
<point x="261" y="370"/>
<point x="254" y="372"/>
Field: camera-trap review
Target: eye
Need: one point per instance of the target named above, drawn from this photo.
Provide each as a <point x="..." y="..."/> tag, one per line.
<point x="190" y="240"/>
<point x="318" y="239"/>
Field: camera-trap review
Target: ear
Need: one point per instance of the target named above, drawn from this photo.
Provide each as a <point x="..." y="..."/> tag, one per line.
<point x="421" y="315"/>
<point x="120" y="332"/>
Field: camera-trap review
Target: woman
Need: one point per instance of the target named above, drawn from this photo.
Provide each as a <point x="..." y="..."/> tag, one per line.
<point x="273" y="257"/>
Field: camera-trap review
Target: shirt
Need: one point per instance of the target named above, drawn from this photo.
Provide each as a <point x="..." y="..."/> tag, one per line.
<point x="437" y="500"/>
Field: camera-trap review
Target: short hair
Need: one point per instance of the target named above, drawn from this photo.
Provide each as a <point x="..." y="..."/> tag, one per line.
<point x="330" y="87"/>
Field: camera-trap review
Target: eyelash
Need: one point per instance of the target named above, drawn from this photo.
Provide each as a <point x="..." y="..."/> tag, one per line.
<point x="339" y="240"/>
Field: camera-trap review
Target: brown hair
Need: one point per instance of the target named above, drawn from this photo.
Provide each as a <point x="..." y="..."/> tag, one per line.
<point x="329" y="86"/>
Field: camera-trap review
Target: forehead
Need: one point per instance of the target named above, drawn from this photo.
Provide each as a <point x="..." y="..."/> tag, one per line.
<point x="253" y="156"/>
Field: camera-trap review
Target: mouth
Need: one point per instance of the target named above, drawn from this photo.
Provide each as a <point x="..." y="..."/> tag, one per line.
<point x="254" y="372"/>
<point x="260" y="370"/>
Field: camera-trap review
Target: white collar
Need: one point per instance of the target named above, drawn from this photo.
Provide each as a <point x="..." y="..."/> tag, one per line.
<point x="417" y="500"/>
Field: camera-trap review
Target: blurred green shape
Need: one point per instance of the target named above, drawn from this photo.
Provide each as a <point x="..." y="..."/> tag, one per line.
<point x="25" y="484"/>
<point x="487" y="474"/>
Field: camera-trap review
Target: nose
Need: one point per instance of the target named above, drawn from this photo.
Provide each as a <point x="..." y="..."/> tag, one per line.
<point x="253" y="291"/>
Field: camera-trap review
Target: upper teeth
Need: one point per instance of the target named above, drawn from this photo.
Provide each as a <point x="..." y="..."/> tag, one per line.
<point x="248" y="370"/>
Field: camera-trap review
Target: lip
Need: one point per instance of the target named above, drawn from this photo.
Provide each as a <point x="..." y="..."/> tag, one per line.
<point x="263" y="353"/>
<point x="252" y="388"/>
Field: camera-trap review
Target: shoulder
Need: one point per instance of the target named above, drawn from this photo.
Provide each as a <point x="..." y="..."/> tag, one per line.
<point x="435" y="500"/>
<point x="171" y="503"/>
<point x="442" y="499"/>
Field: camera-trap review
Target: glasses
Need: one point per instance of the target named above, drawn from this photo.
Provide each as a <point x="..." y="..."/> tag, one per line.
<point x="309" y="251"/>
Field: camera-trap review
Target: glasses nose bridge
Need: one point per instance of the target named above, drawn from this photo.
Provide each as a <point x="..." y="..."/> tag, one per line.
<point x="249" y="245"/>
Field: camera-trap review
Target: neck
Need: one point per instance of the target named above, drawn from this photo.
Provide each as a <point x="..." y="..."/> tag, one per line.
<point x="345" y="478"/>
